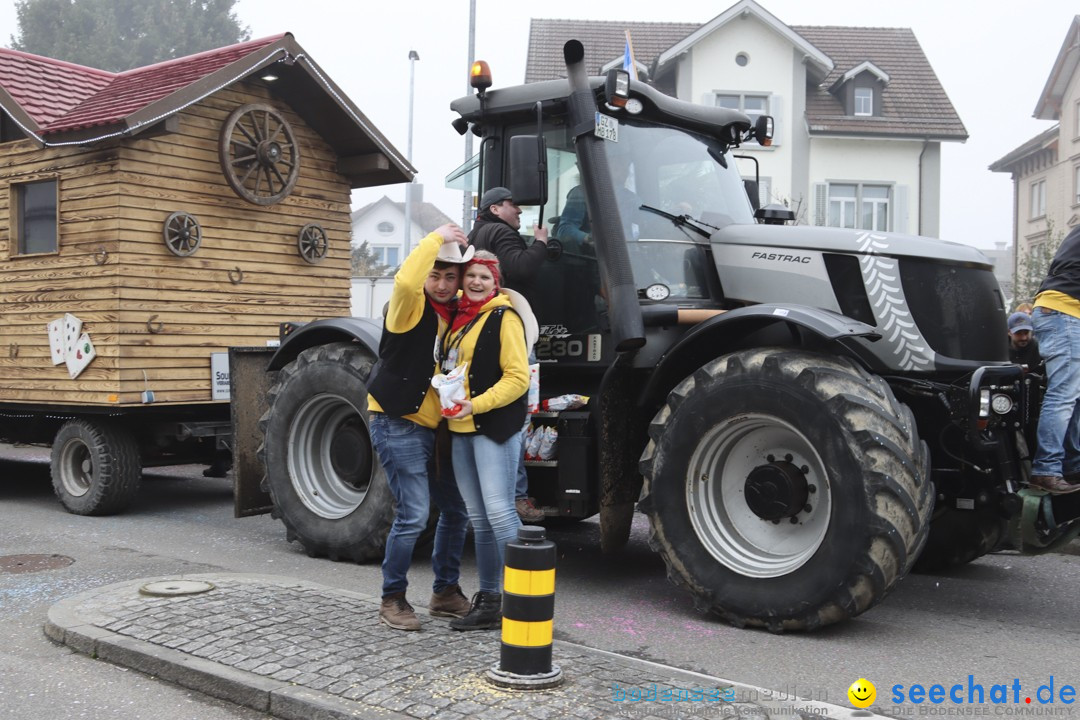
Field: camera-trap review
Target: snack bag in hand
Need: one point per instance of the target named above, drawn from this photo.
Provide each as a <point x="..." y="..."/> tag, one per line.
<point x="451" y="387"/>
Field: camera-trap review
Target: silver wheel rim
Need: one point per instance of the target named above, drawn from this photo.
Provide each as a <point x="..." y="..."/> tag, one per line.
<point x="76" y="468"/>
<point x="319" y="485"/>
<point x="721" y="518"/>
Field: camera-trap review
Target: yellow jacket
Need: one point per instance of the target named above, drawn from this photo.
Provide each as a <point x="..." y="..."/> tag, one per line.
<point x="513" y="359"/>
<point x="407" y="304"/>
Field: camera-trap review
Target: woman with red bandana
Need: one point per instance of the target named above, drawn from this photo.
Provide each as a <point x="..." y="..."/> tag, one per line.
<point x="488" y="334"/>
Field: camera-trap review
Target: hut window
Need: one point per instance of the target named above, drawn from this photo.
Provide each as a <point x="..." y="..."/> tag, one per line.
<point x="35" y="218"/>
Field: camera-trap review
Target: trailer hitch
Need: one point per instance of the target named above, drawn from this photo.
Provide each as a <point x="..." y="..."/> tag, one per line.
<point x="1036" y="530"/>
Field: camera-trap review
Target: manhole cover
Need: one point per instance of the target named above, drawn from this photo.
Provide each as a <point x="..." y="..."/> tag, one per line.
<point x="33" y="563"/>
<point x="176" y="587"/>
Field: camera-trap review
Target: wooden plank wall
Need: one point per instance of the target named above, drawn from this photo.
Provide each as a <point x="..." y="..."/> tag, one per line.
<point x="193" y="301"/>
<point x="36" y="289"/>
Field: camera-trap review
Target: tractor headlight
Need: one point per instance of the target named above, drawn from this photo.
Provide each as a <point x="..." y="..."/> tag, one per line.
<point x="1001" y="403"/>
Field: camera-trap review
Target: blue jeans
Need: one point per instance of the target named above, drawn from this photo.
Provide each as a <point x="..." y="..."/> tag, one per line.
<point x="1058" y="451"/>
<point x="405" y="450"/>
<point x="486" y="471"/>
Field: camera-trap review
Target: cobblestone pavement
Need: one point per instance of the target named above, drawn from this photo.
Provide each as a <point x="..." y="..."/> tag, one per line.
<point x="297" y="649"/>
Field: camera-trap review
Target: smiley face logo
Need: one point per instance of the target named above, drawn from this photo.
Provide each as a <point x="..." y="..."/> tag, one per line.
<point x="862" y="693"/>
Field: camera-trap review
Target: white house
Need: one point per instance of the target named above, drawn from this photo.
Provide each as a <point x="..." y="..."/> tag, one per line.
<point x="1046" y="169"/>
<point x="860" y="114"/>
<point x="382" y="225"/>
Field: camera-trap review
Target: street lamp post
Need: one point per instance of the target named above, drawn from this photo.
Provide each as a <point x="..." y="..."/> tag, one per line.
<point x="413" y="57"/>
<point x="466" y="201"/>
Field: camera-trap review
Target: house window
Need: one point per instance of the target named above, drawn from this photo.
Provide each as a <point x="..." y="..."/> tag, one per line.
<point x="386" y="255"/>
<point x="385" y="227"/>
<point x="1038" y="199"/>
<point x="864" y="101"/>
<point x="854" y="205"/>
<point x="752" y="105"/>
<point x="742" y="59"/>
<point x="1076" y="185"/>
<point x="35" y="216"/>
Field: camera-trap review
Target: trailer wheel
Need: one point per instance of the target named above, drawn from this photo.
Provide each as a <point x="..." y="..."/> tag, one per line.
<point x="326" y="482"/>
<point x="959" y="536"/>
<point x="95" y="467"/>
<point x="784" y="489"/>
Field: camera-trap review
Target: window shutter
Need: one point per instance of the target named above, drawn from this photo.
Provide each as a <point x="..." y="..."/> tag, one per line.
<point x="821" y="203"/>
<point x="900" y="209"/>
<point x="776" y="109"/>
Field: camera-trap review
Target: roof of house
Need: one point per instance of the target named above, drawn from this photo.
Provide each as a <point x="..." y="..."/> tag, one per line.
<point x="914" y="104"/>
<point x="604" y="40"/>
<point x="426" y="216"/>
<point x="1057" y="83"/>
<point x="58" y="103"/>
<point x="1046" y="139"/>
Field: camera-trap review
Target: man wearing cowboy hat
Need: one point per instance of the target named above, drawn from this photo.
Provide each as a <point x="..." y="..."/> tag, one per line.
<point x="404" y="411"/>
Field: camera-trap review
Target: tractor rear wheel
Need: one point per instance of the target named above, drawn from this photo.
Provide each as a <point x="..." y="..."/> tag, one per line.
<point x="323" y="475"/>
<point x="785" y="489"/>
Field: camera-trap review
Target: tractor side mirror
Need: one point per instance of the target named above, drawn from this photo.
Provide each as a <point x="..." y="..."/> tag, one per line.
<point x="528" y="170"/>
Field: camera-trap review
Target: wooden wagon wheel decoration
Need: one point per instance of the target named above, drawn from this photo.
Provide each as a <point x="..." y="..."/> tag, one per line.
<point x="183" y="236"/>
<point x="312" y="243"/>
<point x="259" y="155"/>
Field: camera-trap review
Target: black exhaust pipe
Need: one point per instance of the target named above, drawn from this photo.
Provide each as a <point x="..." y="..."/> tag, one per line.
<point x="608" y="233"/>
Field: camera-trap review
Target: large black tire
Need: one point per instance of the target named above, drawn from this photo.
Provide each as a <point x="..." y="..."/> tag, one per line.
<point x="737" y="432"/>
<point x="95" y="467"/>
<point x="322" y="473"/>
<point x="960" y="536"/>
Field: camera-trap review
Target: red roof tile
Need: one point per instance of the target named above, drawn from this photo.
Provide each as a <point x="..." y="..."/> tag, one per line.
<point x="61" y="96"/>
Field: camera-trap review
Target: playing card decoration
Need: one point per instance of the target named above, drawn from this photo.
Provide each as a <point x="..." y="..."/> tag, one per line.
<point x="80" y="356"/>
<point x="69" y="344"/>
<point x="56" y="341"/>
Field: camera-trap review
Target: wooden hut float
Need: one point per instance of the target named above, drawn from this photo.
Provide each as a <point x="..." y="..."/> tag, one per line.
<point x="174" y="211"/>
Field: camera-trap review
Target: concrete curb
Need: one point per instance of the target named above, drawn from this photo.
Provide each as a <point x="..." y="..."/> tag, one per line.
<point x="76" y="623"/>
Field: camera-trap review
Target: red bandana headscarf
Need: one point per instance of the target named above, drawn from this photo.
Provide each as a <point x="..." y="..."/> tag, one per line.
<point x="468" y="309"/>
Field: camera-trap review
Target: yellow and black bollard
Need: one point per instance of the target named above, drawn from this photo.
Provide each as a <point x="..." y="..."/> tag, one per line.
<point x="528" y="612"/>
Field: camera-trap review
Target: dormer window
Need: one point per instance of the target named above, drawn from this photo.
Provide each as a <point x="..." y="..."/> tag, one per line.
<point x="855" y="89"/>
<point x="864" y="101"/>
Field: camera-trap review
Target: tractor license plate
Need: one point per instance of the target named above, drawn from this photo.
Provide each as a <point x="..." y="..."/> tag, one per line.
<point x="607" y="128"/>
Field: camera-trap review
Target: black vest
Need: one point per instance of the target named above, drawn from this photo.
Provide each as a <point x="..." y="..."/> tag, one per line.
<point x="401" y="378"/>
<point x="1064" y="273"/>
<point x="501" y="423"/>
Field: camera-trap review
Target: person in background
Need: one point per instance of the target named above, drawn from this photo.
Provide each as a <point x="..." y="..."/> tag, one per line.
<point x="404" y="411"/>
<point x="496" y="231"/>
<point x="489" y="335"/>
<point x="1023" y="347"/>
<point x="1056" y="322"/>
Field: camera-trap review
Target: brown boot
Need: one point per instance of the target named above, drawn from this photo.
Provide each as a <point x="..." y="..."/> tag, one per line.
<point x="449" y="602"/>
<point x="1053" y="484"/>
<point x="398" y="613"/>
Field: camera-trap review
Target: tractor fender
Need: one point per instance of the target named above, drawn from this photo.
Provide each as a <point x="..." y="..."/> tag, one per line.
<point x="756" y="325"/>
<point x="365" y="331"/>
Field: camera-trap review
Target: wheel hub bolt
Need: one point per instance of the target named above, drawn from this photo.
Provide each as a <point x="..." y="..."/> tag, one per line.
<point x="811" y="488"/>
<point x="807" y="507"/>
<point x="794" y="520"/>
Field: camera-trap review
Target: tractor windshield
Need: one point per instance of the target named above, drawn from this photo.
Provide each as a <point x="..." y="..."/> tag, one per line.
<point x="673" y="190"/>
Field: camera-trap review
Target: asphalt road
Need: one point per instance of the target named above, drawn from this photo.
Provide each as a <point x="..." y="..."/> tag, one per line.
<point x="1001" y="618"/>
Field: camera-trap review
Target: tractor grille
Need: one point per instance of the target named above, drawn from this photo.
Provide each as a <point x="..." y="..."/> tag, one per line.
<point x="959" y="309"/>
